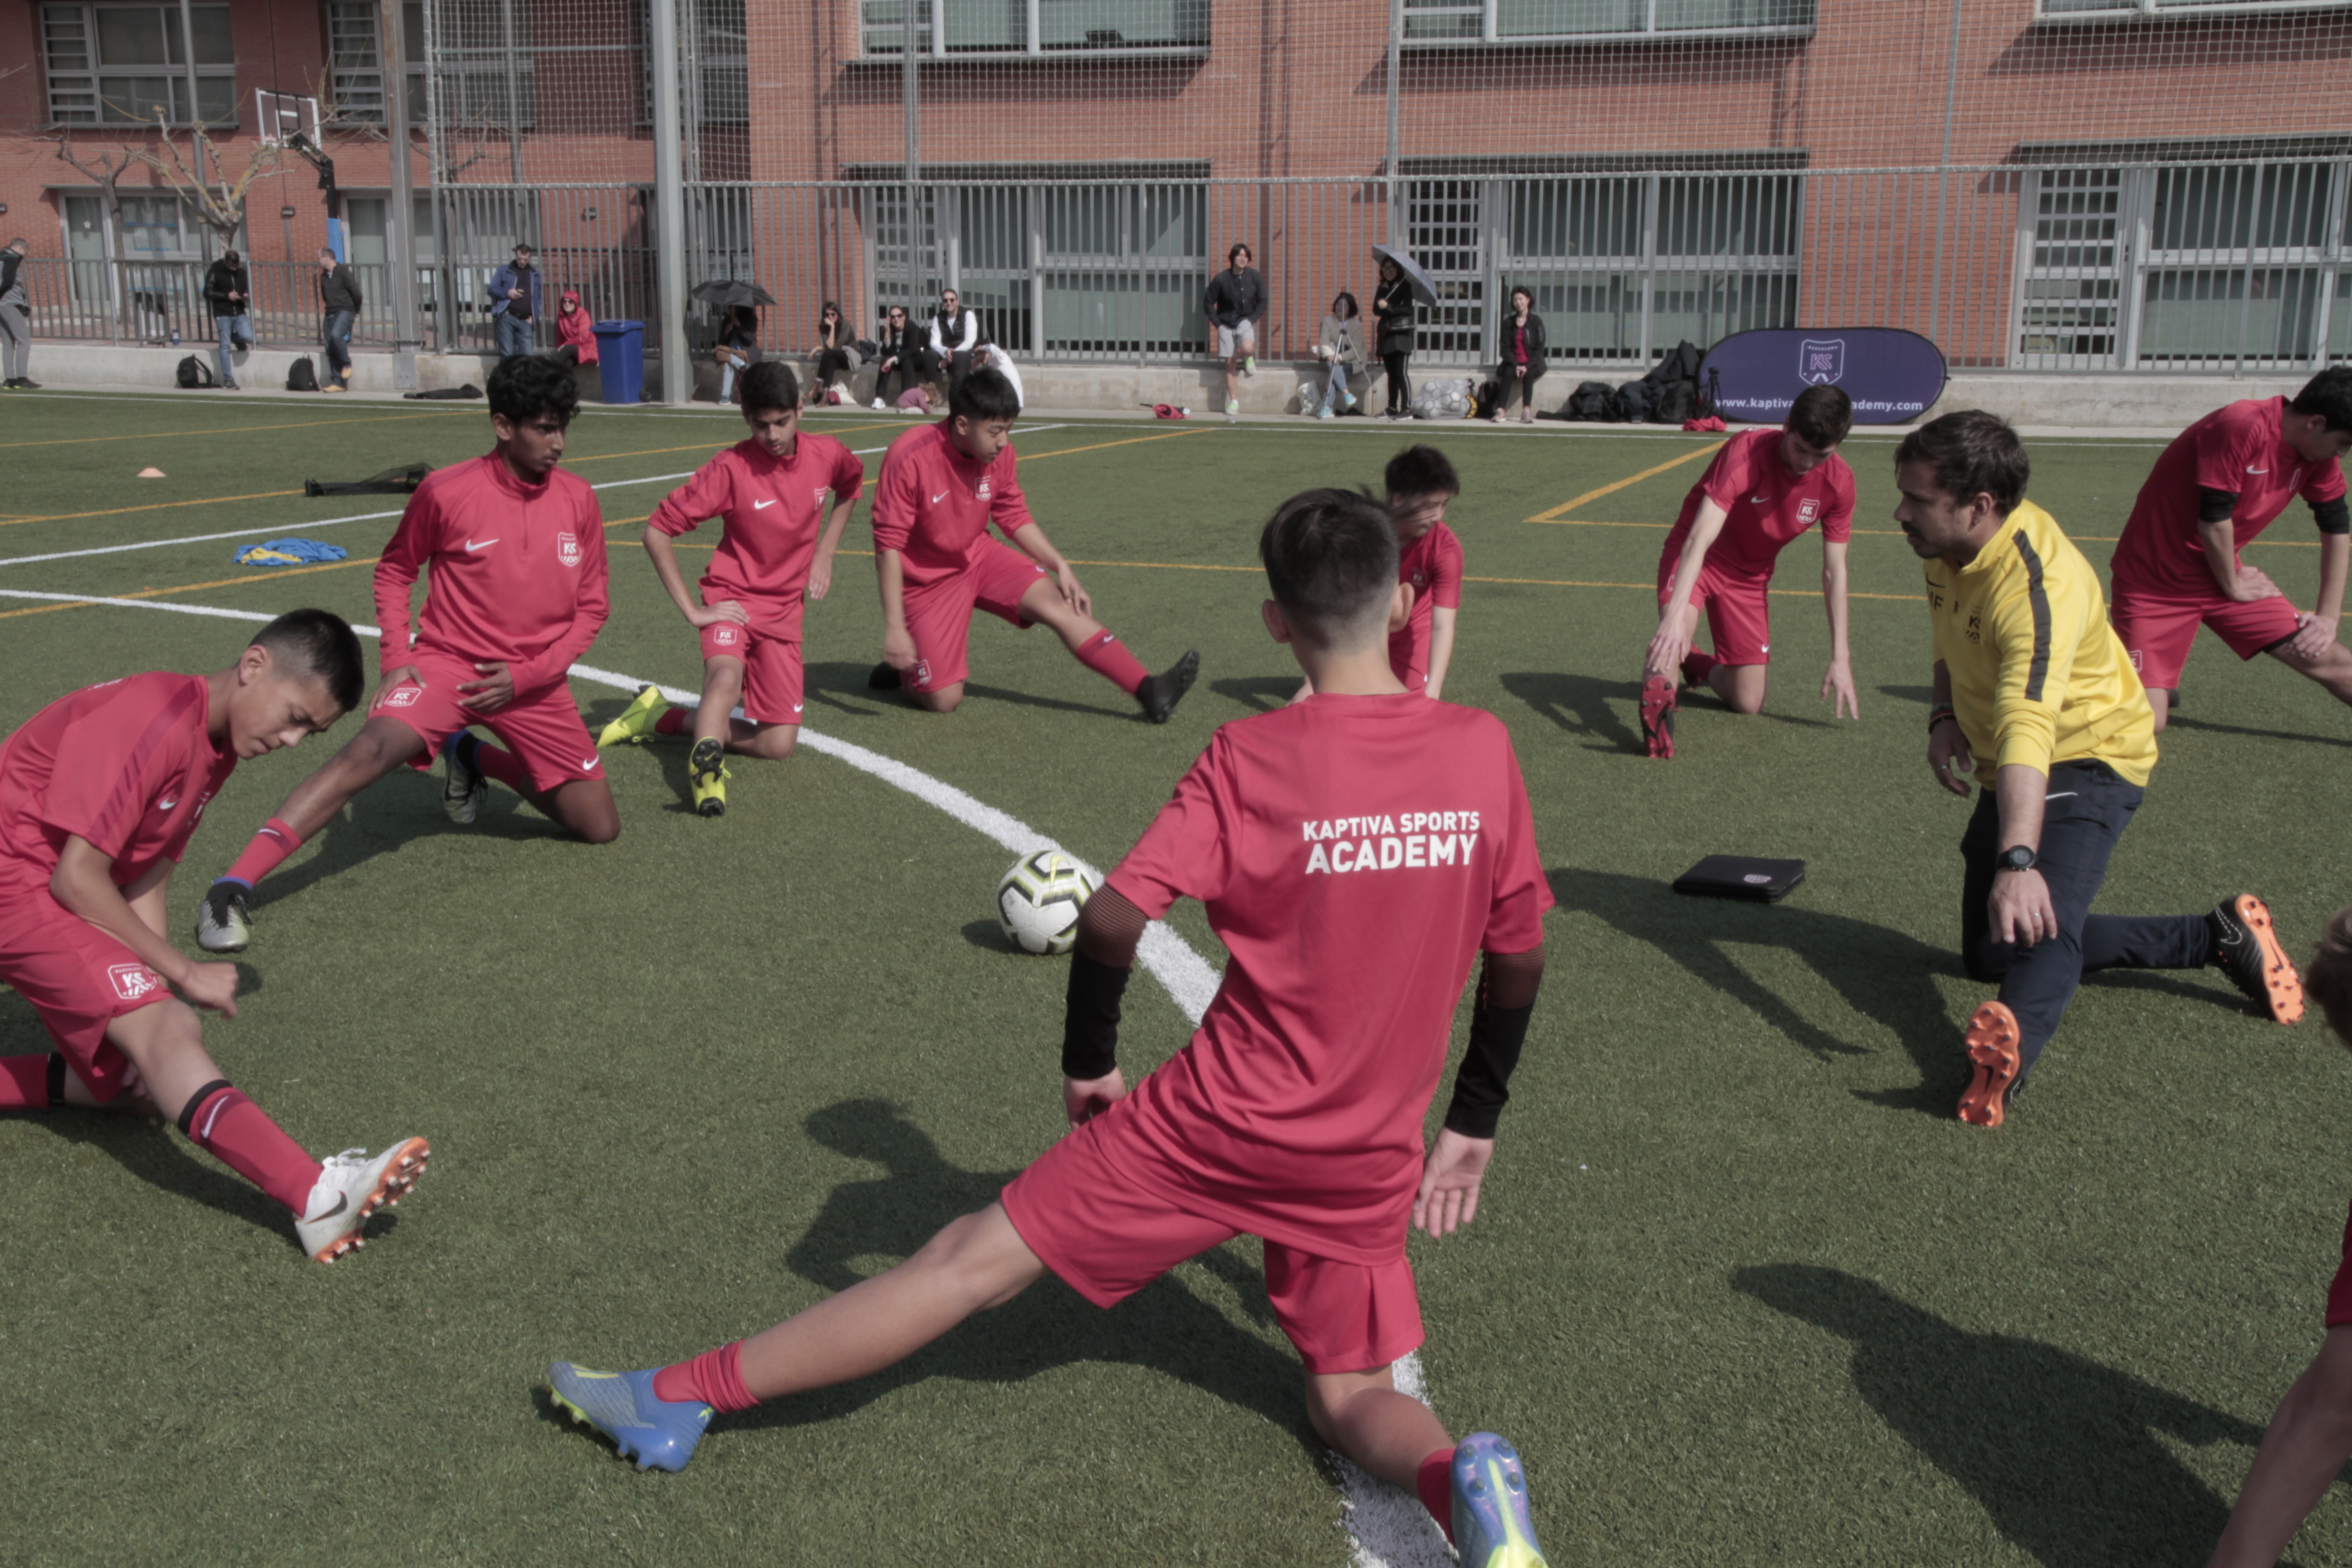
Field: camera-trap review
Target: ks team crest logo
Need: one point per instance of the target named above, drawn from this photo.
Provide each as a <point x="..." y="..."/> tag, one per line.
<point x="402" y="696"/>
<point x="725" y="635"/>
<point x="133" y="981"/>
<point x="1821" y="360"/>
<point x="981" y="494"/>
<point x="567" y="549"/>
<point x="1807" y="509"/>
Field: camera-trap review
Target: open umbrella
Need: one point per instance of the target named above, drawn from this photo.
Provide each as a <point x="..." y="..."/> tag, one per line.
<point x="731" y="291"/>
<point x="1423" y="289"/>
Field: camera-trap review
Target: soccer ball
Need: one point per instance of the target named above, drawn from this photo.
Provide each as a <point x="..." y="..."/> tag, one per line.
<point x="1037" y="902"/>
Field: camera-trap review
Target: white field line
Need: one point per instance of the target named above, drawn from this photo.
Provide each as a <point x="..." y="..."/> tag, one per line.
<point x="1389" y="1528"/>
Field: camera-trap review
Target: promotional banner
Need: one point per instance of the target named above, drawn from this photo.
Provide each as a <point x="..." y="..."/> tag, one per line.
<point x="1893" y="376"/>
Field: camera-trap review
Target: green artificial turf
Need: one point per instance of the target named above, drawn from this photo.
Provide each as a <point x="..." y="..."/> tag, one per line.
<point x="1740" y="1289"/>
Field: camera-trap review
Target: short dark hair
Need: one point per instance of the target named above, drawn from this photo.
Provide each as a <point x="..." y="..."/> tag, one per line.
<point x="770" y="383"/>
<point x="1822" y="416"/>
<point x="1330" y="558"/>
<point x="1241" y="247"/>
<point x="1972" y="453"/>
<point x="1354" y="310"/>
<point x="320" y="643"/>
<point x="528" y="385"/>
<point x="525" y="248"/>
<point x="984" y="394"/>
<point x="1422" y="471"/>
<point x="2328" y="978"/>
<point x="2327" y="395"/>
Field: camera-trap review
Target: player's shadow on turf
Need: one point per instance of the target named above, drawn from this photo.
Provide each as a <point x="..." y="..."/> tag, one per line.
<point x="989" y="937"/>
<point x="148" y="1149"/>
<point x="1265" y="693"/>
<point x="831" y="683"/>
<point x="1884" y="975"/>
<point x="396" y="810"/>
<point x="1580" y="704"/>
<point x="2181" y="721"/>
<point x="1922" y="694"/>
<point x="2060" y="1452"/>
<point x="1030" y="700"/>
<point x="1165" y="1326"/>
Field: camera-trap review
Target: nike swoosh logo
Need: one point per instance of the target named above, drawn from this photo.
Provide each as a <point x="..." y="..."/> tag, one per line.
<point x="2258" y="470"/>
<point x="342" y="1202"/>
<point x="796" y="707"/>
<point x="485" y="544"/>
<point x="588" y="766"/>
<point x="938" y="498"/>
<point x="758" y="504"/>
<point x="1757" y="500"/>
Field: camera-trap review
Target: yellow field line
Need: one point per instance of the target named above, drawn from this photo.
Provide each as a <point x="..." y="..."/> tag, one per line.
<point x="152" y="506"/>
<point x="224" y="430"/>
<point x="1568" y="506"/>
<point x="192" y="587"/>
<point x="1100" y="446"/>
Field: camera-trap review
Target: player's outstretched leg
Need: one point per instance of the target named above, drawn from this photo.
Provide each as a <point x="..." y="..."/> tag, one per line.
<point x="1490" y="1524"/>
<point x="640" y="720"/>
<point x="469" y="763"/>
<point x="1473" y="1488"/>
<point x="1103" y="653"/>
<point x="2246" y="948"/>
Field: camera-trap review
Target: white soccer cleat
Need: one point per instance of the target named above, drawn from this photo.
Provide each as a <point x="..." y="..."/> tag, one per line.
<point x="351" y="1187"/>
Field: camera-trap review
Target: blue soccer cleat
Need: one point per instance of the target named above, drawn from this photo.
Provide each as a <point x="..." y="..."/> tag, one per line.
<point x="1491" y="1528"/>
<point x="658" y="1433"/>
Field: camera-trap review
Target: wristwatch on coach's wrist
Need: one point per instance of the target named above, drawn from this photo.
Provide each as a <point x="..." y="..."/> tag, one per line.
<point x="2017" y="858"/>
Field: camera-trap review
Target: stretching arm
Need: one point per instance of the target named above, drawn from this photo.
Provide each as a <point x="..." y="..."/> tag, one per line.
<point x="1110" y="928"/>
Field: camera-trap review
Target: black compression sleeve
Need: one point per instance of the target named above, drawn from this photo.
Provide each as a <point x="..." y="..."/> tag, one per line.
<point x="1090" y="1018"/>
<point x="1483" y="1085"/>
<point x="2215" y="506"/>
<point x="2332" y="516"/>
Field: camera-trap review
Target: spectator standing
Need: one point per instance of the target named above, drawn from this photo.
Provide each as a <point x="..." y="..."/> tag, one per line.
<point x="16" y="318"/>
<point x="835" y="351"/>
<point x="339" y="302"/>
<point x="1392" y="309"/>
<point x="1340" y="344"/>
<point x="229" y="291"/>
<point x="1520" y="359"/>
<point x="514" y="303"/>
<point x="955" y="333"/>
<point x="1237" y="304"/>
<point x="906" y="350"/>
<point x="738" y="350"/>
<point x="575" y="330"/>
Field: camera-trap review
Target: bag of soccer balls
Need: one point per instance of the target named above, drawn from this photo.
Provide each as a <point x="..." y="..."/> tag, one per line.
<point x="1037" y="902"/>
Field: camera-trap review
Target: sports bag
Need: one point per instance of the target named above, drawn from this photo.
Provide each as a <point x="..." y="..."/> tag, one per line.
<point x="1674" y="402"/>
<point x="194" y="372"/>
<point x="303" y="376"/>
<point x="1682" y="364"/>
<point x="1592" y="400"/>
<point x="1633" y="402"/>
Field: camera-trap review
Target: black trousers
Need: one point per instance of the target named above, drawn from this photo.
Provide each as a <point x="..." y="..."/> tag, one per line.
<point x="956" y="364"/>
<point x="1522" y="387"/>
<point x="1400" y="384"/>
<point x="831" y="362"/>
<point x="2088" y="809"/>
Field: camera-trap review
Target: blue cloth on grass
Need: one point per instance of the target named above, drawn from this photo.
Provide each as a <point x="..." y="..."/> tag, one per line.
<point x="288" y="553"/>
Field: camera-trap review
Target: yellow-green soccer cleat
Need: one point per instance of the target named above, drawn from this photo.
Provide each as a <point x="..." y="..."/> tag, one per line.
<point x="636" y="721"/>
<point x="1491" y="1528"/>
<point x="705" y="771"/>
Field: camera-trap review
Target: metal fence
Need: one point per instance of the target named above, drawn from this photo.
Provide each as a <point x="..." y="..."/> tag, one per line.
<point x="2214" y="266"/>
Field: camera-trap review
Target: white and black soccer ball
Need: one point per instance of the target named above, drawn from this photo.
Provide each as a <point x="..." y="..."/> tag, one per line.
<point x="1037" y="902"/>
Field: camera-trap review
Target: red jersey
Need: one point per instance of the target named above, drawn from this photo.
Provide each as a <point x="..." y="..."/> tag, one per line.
<point x="2242" y="448"/>
<point x="1433" y="564"/>
<point x="1766" y="506"/>
<point x="1354" y="853"/>
<point x="932" y="504"/>
<point x="772" y="511"/>
<point x="518" y="572"/>
<point x="126" y="765"/>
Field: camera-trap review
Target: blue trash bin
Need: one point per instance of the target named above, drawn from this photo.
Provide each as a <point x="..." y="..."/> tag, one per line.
<point x="621" y="361"/>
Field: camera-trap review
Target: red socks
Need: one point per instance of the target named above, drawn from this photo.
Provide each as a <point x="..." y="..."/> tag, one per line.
<point x="714" y="1378"/>
<point x="493" y="761"/>
<point x="675" y="721"/>
<point x="1695" y="667"/>
<point x="1108" y="658"/>
<point x="233" y="1130"/>
<point x="1434" y="1482"/>
<point x="31" y="1083"/>
<point x="269" y="846"/>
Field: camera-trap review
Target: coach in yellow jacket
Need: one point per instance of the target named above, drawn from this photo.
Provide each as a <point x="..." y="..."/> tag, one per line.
<point x="2030" y="678"/>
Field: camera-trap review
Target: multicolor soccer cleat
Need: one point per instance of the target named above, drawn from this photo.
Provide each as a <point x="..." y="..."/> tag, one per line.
<point x="706" y="771"/>
<point x="351" y="1186"/>
<point x="1991" y="1041"/>
<point x="636" y="721"/>
<point x="1491" y="1528"/>
<point x="658" y="1434"/>
<point x="463" y="786"/>
<point x="1658" y="716"/>
<point x="223" y="922"/>
<point x="2246" y="948"/>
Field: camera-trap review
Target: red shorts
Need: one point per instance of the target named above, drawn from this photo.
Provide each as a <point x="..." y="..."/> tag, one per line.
<point x="1409" y="654"/>
<point x="1108" y="1237"/>
<point x="939" y="614"/>
<point x="771" y="669"/>
<point x="2157" y="630"/>
<point x="543" y="730"/>
<point x="79" y="979"/>
<point x="1738" y="617"/>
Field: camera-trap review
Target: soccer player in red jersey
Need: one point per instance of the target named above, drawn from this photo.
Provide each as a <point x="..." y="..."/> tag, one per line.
<point x="516" y="550"/>
<point x="1356" y="851"/>
<point x="1421" y="482"/>
<point x="2215" y="488"/>
<point x="1763" y="489"/>
<point x="99" y="793"/>
<point x="770" y="493"/>
<point x="941" y="485"/>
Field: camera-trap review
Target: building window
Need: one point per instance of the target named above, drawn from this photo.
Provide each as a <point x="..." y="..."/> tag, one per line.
<point x="2111" y="10"/>
<point x="1600" y="21"/>
<point x="482" y="64"/>
<point x="122" y="65"/>
<point x="715" y="78"/>
<point x="355" y="57"/>
<point x="950" y="28"/>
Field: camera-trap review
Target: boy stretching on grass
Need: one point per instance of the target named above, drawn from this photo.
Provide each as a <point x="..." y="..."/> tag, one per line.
<point x="941" y="485"/>
<point x="770" y="493"/>
<point x="99" y="793"/>
<point x="516" y="550"/>
<point x="1296" y="1113"/>
<point x="1420" y="480"/>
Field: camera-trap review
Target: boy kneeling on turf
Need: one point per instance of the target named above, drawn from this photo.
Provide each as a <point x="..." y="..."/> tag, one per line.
<point x="769" y="492"/>
<point x="1296" y="1113"/>
<point x="99" y="793"/>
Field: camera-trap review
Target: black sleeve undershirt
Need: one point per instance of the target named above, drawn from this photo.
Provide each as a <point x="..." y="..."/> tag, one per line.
<point x="2215" y="506"/>
<point x="1090" y="1018"/>
<point x="2332" y="516"/>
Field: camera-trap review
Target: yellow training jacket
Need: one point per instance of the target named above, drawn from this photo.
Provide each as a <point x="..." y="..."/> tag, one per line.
<point x="2038" y="676"/>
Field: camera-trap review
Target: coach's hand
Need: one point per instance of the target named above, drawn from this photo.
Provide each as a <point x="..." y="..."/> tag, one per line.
<point x="2314" y="635"/>
<point x="1948" y="754"/>
<point x="724" y="610"/>
<point x="2252" y="583"/>
<point x="1074" y="593"/>
<point x="492" y="693"/>
<point x="1837" y="687"/>
<point x="1448" y="1198"/>
<point x="212" y="985"/>
<point x="1086" y="1098"/>
<point x="2022" y="913"/>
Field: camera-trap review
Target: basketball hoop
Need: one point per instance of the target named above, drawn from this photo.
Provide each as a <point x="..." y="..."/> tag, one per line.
<point x="279" y="117"/>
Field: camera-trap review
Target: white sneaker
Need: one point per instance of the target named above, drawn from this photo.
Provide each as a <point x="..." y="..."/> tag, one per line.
<point x="877" y="407"/>
<point x="351" y="1187"/>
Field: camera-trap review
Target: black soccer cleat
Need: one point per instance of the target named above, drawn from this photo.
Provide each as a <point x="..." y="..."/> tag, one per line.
<point x="1160" y="693"/>
<point x="223" y="922"/>
<point x="2246" y="948"/>
<point x="883" y="678"/>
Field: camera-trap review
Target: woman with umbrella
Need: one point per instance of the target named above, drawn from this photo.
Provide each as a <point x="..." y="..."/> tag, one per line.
<point x="1392" y="309"/>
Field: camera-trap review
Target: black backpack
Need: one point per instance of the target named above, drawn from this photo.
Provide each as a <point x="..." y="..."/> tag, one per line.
<point x="1592" y="400"/>
<point x="1680" y="365"/>
<point x="195" y="373"/>
<point x="1633" y="402"/>
<point x="1675" y="401"/>
<point x="303" y="376"/>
